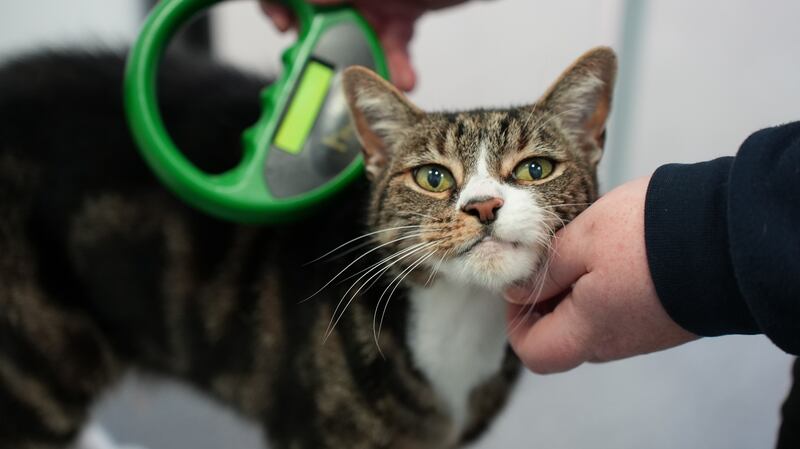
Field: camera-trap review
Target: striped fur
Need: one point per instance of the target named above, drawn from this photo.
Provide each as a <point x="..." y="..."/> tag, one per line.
<point x="102" y="270"/>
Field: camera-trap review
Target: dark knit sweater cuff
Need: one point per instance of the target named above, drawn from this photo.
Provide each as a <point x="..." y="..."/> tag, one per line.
<point x="686" y="235"/>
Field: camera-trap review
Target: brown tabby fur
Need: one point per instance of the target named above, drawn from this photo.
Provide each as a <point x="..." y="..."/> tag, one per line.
<point x="103" y="270"/>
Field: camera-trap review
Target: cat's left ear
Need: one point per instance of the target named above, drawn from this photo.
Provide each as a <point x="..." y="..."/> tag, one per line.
<point x="581" y="98"/>
<point x="380" y="113"/>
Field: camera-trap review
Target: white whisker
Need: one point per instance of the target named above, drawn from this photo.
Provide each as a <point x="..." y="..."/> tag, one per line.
<point x="333" y="323"/>
<point x="436" y="268"/>
<point x="380" y="262"/>
<point x="551" y="206"/>
<point x="359" y="238"/>
<point x="359" y="258"/>
<point x="396" y="281"/>
<point x="404" y="253"/>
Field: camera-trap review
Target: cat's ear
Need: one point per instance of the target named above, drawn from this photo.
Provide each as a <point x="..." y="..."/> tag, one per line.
<point x="380" y="114"/>
<point x="581" y="98"/>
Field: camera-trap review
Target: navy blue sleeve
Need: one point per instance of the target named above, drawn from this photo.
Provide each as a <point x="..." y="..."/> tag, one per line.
<point x="723" y="240"/>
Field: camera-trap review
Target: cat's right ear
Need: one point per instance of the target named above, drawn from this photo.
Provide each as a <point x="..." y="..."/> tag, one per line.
<point x="380" y="114"/>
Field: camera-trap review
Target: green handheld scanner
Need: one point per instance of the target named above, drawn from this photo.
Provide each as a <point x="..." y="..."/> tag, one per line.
<point x="302" y="150"/>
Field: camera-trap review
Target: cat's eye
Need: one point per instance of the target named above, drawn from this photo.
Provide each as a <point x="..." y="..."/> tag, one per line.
<point x="533" y="169"/>
<point x="434" y="178"/>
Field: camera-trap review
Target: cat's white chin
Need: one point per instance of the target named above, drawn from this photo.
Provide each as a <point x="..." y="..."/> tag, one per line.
<point x="492" y="264"/>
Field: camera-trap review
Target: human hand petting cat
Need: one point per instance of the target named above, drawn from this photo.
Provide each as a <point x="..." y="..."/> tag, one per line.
<point x="612" y="310"/>
<point x="393" y="21"/>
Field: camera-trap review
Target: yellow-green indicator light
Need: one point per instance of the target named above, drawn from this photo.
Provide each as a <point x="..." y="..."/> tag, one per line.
<point x="304" y="107"/>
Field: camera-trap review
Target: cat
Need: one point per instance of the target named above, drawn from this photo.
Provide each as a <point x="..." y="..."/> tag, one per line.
<point x="394" y="340"/>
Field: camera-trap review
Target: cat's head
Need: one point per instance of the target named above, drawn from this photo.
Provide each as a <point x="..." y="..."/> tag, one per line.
<point x="476" y="196"/>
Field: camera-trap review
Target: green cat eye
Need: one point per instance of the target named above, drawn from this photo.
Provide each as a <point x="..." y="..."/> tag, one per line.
<point x="533" y="169"/>
<point x="434" y="178"/>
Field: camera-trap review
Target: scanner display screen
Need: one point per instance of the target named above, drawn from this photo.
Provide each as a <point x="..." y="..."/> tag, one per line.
<point x="304" y="106"/>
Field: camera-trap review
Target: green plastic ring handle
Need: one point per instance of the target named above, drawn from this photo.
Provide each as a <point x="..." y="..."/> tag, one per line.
<point x="240" y="194"/>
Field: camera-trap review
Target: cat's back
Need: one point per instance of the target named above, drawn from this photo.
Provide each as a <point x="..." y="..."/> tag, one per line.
<point x="67" y="157"/>
<point x="62" y="113"/>
<point x="79" y="206"/>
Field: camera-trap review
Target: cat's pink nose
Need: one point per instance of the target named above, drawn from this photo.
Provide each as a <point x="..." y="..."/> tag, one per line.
<point x="485" y="208"/>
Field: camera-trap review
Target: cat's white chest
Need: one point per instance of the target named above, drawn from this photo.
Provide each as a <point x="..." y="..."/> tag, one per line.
<point x="457" y="337"/>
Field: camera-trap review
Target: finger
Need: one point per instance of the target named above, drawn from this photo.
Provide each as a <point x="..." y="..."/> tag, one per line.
<point x="521" y="316"/>
<point x="395" y="37"/>
<point x="566" y="263"/>
<point x="401" y="70"/>
<point x="551" y="343"/>
<point x="280" y="15"/>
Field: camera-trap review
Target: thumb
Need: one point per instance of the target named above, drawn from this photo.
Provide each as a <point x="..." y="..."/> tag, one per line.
<point x="552" y="343"/>
<point x="567" y="262"/>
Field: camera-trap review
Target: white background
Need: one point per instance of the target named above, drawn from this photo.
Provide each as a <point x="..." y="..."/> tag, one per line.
<point x="706" y="74"/>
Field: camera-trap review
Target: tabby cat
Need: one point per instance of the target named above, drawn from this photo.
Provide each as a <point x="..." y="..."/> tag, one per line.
<point x="402" y="342"/>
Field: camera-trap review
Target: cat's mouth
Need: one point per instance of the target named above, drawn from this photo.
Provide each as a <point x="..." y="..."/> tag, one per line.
<point x="489" y="243"/>
<point x="491" y="261"/>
